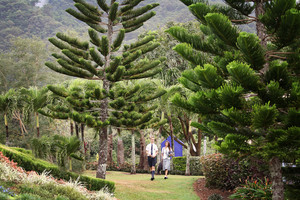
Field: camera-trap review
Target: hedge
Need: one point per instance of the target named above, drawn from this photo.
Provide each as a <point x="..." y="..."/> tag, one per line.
<point x="30" y="163"/>
<point x="26" y="151"/>
<point x="179" y="166"/>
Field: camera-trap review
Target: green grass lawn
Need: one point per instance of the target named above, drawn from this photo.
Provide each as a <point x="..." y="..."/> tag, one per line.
<point x="139" y="186"/>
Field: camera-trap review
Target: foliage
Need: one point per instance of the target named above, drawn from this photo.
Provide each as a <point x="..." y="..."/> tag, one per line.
<point x="215" y="197"/>
<point x="25" y="59"/>
<point x="254" y="189"/>
<point x="29" y="163"/>
<point x="247" y="96"/>
<point x="6" y="191"/>
<point x="25" y="151"/>
<point x="43" y="185"/>
<point x="227" y="174"/>
<point x="179" y="165"/>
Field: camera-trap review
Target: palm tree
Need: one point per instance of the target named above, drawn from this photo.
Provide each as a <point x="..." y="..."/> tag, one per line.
<point x="6" y="106"/>
<point x="67" y="149"/>
<point x="35" y="99"/>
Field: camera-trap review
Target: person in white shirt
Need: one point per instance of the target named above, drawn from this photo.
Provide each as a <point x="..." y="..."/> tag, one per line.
<point x="166" y="154"/>
<point x="152" y="152"/>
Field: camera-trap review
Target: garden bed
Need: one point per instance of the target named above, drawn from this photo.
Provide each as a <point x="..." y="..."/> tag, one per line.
<point x="204" y="192"/>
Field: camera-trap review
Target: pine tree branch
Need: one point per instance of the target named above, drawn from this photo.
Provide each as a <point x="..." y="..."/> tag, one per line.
<point x="280" y="57"/>
<point x="243" y="20"/>
<point x="272" y="52"/>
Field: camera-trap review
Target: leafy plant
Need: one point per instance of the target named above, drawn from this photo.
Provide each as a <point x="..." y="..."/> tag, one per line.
<point x="215" y="197"/>
<point x="255" y="190"/>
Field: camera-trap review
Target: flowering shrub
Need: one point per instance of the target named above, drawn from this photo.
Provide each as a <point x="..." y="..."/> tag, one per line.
<point x="255" y="190"/>
<point x="227" y="174"/>
<point x="9" y="171"/>
<point x="6" y="191"/>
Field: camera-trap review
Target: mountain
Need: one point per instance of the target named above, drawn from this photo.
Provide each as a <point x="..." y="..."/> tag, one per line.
<point x="43" y="18"/>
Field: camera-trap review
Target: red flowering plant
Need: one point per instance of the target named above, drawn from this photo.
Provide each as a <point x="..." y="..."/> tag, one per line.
<point x="255" y="190"/>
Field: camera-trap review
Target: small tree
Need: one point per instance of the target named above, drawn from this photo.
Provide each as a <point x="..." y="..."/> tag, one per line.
<point x="67" y="148"/>
<point x="6" y="106"/>
<point x="35" y="99"/>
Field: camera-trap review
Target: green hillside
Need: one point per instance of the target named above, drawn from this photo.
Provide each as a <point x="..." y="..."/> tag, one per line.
<point x="23" y="18"/>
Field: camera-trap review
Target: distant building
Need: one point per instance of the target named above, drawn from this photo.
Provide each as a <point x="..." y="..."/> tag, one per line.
<point x="177" y="146"/>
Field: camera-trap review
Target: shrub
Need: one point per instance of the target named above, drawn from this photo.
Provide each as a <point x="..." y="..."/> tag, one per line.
<point x="255" y="190"/>
<point x="179" y="166"/>
<point x="215" y="197"/>
<point x="179" y="163"/>
<point x="28" y="197"/>
<point x="26" y="151"/>
<point x="227" y="174"/>
<point x="30" y="163"/>
<point x="4" y="196"/>
<point x="195" y="166"/>
<point x="6" y="191"/>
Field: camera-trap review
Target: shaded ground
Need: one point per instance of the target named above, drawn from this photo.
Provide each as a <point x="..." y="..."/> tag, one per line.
<point x="204" y="192"/>
<point x="139" y="186"/>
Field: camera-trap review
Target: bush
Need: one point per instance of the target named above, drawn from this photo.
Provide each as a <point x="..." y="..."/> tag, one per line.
<point x="28" y="197"/>
<point x="26" y="151"/>
<point x="195" y="166"/>
<point x="255" y="190"/>
<point x="179" y="166"/>
<point x="4" y="196"/>
<point x="215" y="197"/>
<point x="30" y="163"/>
<point x="227" y="174"/>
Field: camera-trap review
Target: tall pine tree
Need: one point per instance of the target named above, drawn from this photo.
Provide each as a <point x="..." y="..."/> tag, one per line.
<point x="248" y="94"/>
<point x="104" y="58"/>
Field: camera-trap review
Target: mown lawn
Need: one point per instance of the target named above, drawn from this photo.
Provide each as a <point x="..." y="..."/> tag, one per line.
<point x="139" y="186"/>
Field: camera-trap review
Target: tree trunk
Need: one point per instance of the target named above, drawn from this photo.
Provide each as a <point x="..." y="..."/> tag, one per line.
<point x="71" y="128"/>
<point x="120" y="153"/>
<point x="6" y="128"/>
<point x="37" y="124"/>
<point x="101" y="169"/>
<point x="171" y="131"/>
<point x="77" y="130"/>
<point x="110" y="148"/>
<point x="70" y="164"/>
<point x="260" y="28"/>
<point x="143" y="155"/>
<point x="187" y="166"/>
<point x="133" y="170"/>
<point x="198" y="146"/>
<point x="82" y="133"/>
<point x="204" y="146"/>
<point x="159" y="158"/>
<point x="276" y="178"/>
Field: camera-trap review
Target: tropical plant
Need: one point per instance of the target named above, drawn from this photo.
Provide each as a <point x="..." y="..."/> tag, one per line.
<point x="35" y="99"/>
<point x="68" y="147"/>
<point x="7" y="102"/>
<point x="254" y="189"/>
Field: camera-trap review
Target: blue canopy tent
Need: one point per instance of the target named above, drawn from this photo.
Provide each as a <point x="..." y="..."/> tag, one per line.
<point x="177" y="146"/>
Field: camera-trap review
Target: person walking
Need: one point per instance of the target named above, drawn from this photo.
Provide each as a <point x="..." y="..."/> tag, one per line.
<point x="166" y="154"/>
<point x="152" y="152"/>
